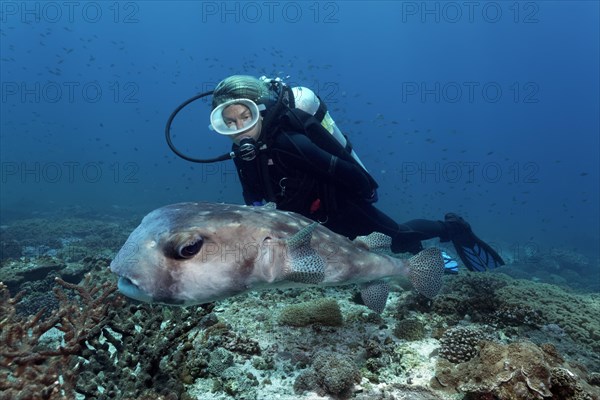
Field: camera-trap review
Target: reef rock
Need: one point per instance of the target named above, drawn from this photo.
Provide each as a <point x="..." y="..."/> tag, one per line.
<point x="519" y="370"/>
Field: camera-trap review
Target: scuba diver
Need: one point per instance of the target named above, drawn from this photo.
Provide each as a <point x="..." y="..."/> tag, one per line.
<point x="288" y="150"/>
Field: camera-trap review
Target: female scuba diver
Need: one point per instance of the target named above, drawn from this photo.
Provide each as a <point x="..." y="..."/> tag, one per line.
<point x="288" y="150"/>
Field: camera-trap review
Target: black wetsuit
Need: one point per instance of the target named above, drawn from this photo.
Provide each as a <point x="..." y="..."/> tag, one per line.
<point x="302" y="177"/>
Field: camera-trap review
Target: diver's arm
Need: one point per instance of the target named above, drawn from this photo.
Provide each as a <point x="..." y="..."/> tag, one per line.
<point x="304" y="155"/>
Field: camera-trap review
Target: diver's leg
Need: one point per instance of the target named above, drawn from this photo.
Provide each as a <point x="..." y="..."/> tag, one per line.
<point x="356" y="218"/>
<point x="410" y="234"/>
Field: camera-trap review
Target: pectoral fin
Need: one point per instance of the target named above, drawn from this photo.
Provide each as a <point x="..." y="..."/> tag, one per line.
<point x="374" y="295"/>
<point x="303" y="263"/>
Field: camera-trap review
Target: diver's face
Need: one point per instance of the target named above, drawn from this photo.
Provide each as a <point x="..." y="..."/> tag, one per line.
<point x="239" y="116"/>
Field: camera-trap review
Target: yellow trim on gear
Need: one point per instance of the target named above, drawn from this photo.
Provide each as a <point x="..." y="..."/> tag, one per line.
<point x="328" y="122"/>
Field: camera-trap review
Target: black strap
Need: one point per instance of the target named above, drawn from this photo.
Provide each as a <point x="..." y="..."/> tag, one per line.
<point x="321" y="111"/>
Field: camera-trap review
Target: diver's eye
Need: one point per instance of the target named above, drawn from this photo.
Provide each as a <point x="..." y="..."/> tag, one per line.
<point x="191" y="248"/>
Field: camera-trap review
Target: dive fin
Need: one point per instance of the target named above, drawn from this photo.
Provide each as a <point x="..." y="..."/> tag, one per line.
<point x="374" y="295"/>
<point x="450" y="265"/>
<point x="474" y="252"/>
<point x="426" y="270"/>
<point x="304" y="264"/>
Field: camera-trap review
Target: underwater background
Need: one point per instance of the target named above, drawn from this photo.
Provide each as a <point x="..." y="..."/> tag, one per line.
<point x="488" y="109"/>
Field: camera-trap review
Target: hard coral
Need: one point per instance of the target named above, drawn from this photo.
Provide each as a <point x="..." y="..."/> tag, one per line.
<point x="578" y="315"/>
<point x="565" y="385"/>
<point x="409" y="329"/>
<point x="518" y="370"/>
<point x="334" y="373"/>
<point x="322" y="311"/>
<point x="472" y="293"/>
<point x="514" y="315"/>
<point x="330" y="373"/>
<point x="152" y="350"/>
<point x="29" y="368"/>
<point x="460" y="344"/>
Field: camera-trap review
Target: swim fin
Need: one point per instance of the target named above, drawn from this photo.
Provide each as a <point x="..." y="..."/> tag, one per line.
<point x="450" y="266"/>
<point x="474" y="252"/>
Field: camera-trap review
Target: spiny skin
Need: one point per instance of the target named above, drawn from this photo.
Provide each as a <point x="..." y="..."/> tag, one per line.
<point x="243" y="248"/>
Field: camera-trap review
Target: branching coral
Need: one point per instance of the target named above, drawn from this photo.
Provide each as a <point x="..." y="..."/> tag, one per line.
<point x="31" y="369"/>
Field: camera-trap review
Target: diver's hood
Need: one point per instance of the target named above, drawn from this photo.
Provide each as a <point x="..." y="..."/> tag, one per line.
<point x="218" y="124"/>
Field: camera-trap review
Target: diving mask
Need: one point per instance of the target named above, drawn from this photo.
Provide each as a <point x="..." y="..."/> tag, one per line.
<point x="221" y="125"/>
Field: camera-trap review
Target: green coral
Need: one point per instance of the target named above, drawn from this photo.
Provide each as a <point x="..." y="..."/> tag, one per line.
<point x="578" y="315"/>
<point x="322" y="311"/>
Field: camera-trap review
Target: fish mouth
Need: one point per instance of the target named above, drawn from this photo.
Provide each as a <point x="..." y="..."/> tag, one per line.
<point x="133" y="291"/>
<point x="130" y="289"/>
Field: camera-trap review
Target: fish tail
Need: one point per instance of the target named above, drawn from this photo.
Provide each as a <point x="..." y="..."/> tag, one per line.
<point x="426" y="270"/>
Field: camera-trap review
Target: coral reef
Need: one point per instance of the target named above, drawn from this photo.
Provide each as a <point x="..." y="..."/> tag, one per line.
<point x="519" y="370"/>
<point x="331" y="373"/>
<point x="472" y="294"/>
<point x="323" y="311"/>
<point x="410" y="329"/>
<point x="460" y="344"/>
<point x="33" y="370"/>
<point x="558" y="266"/>
<point x="577" y="315"/>
<point x="17" y="274"/>
<point x="143" y="346"/>
<point x="67" y="237"/>
<point x="258" y="347"/>
<point x="504" y="302"/>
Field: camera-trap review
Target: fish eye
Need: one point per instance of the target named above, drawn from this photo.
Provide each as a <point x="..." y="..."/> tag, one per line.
<point x="190" y="248"/>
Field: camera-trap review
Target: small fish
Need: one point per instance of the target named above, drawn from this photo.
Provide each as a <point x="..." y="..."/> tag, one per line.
<point x="195" y="253"/>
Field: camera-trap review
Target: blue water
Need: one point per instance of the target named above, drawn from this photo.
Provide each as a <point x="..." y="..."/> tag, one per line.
<point x="489" y="109"/>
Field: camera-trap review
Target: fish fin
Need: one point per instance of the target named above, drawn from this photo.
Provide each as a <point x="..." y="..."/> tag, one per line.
<point x="376" y="242"/>
<point x="303" y="264"/>
<point x="476" y="254"/>
<point x="270" y="206"/>
<point x="374" y="295"/>
<point x="426" y="270"/>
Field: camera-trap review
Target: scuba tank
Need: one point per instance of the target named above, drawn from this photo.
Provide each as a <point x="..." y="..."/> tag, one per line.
<point x="306" y="100"/>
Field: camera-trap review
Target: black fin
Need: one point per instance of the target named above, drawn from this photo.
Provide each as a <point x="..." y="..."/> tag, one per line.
<point x="476" y="254"/>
